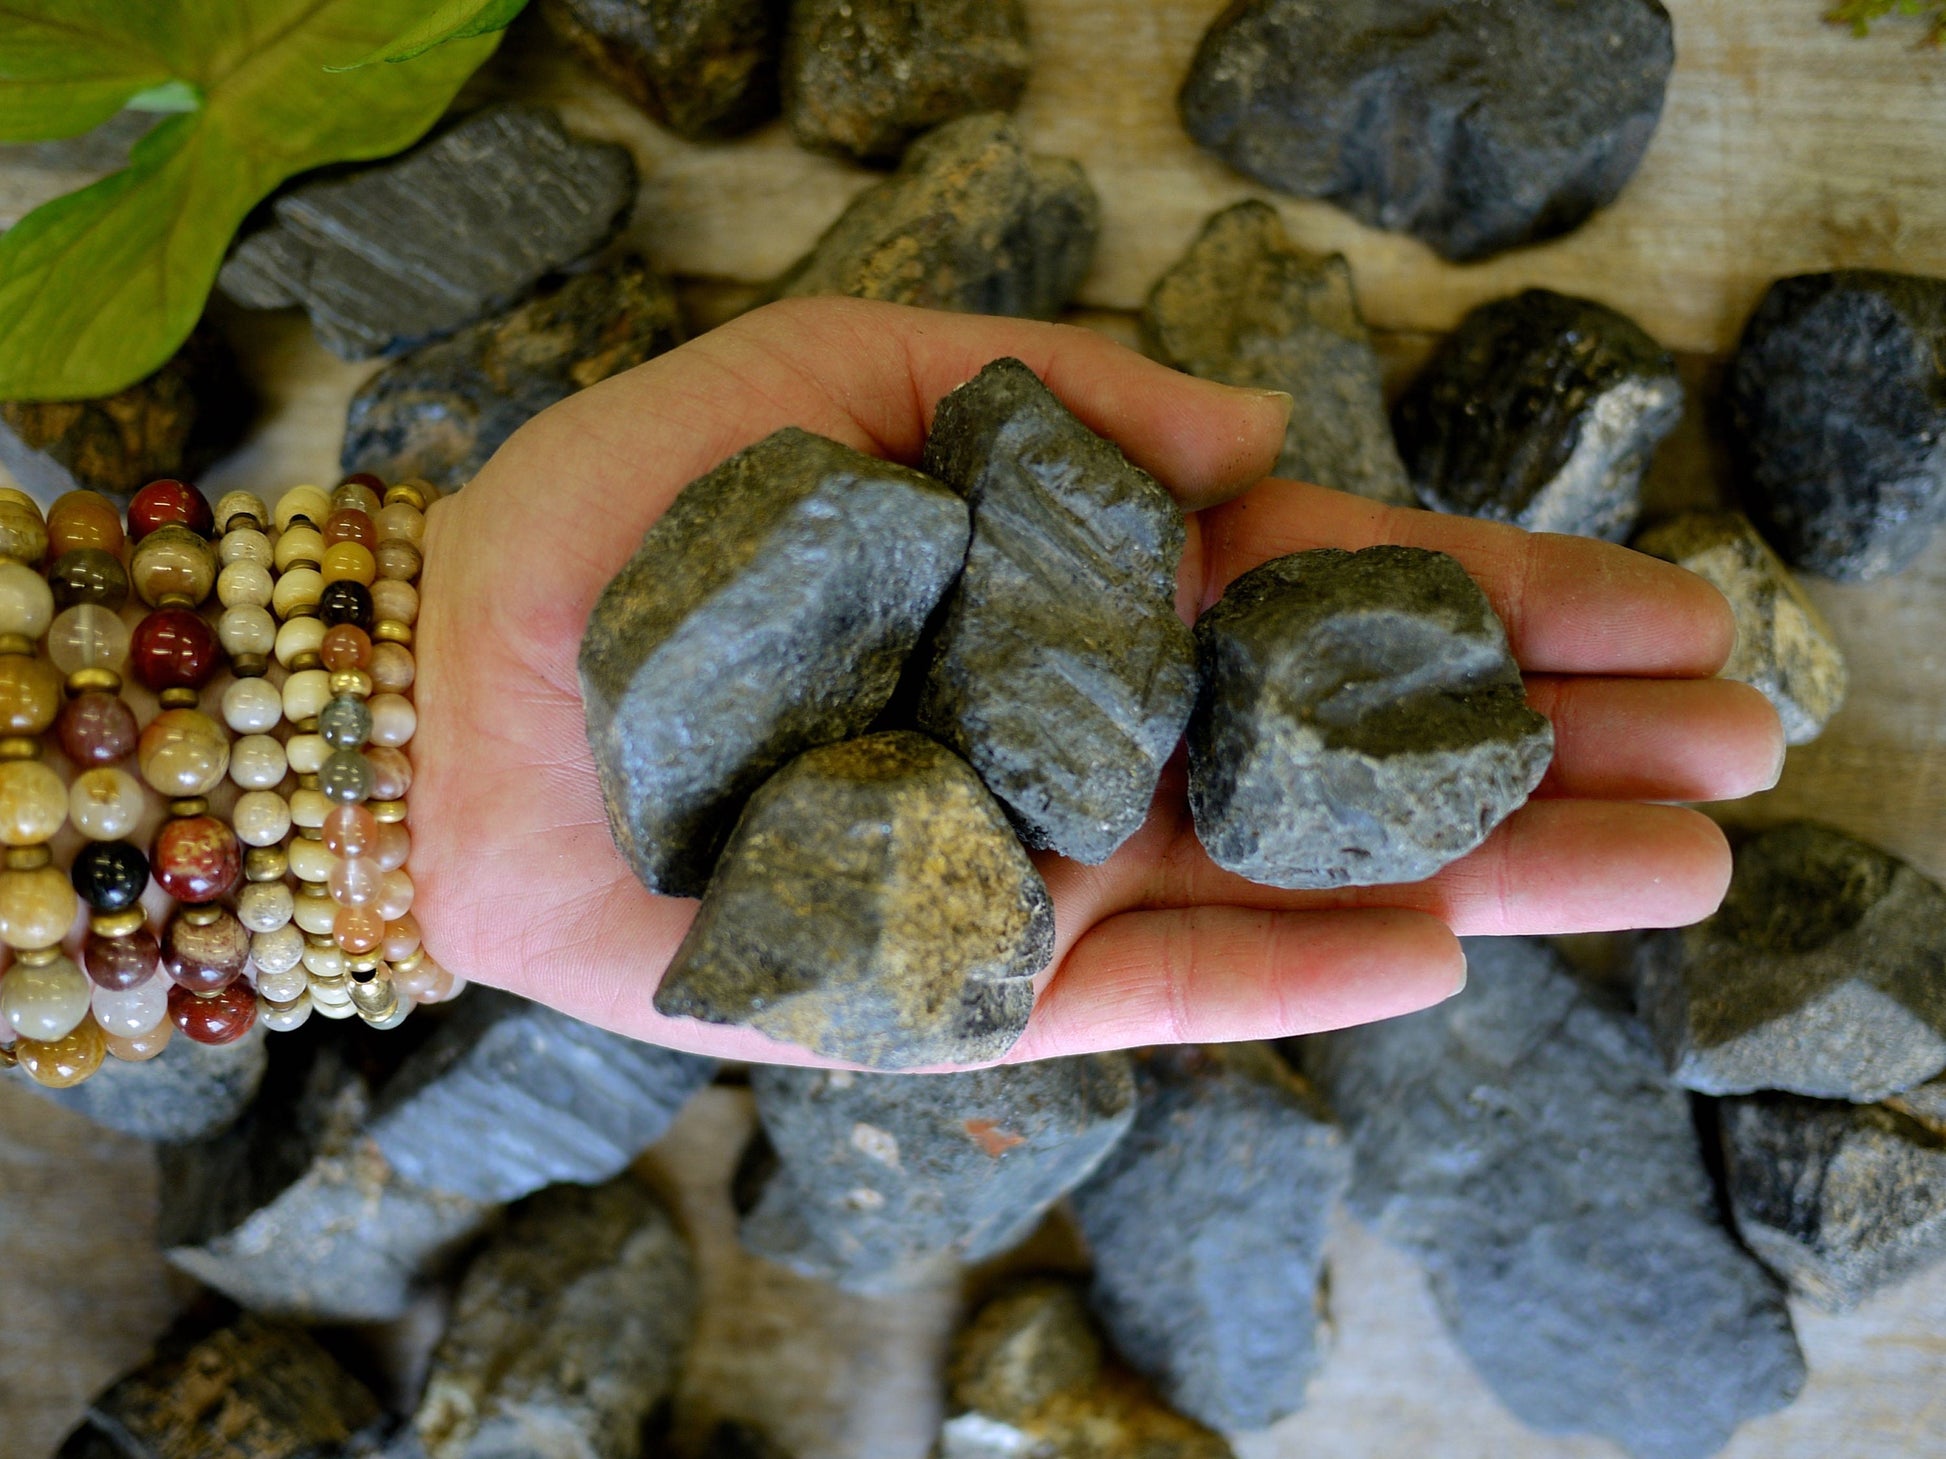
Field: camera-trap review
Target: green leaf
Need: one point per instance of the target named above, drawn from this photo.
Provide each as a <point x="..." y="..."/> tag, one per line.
<point x="70" y="66"/>
<point x="451" y="20"/>
<point x="100" y="287"/>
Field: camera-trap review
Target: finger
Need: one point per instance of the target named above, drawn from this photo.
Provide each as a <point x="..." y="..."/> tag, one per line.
<point x="1572" y="605"/>
<point x="1658" y="739"/>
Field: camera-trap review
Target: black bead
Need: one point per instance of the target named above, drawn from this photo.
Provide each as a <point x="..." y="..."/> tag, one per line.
<point x="347" y="602"/>
<point x="88" y="575"/>
<point x="110" y="876"/>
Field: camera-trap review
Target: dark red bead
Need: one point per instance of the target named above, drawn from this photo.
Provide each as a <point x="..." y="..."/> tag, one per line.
<point x="221" y="1017"/>
<point x="165" y="501"/>
<point x="348" y="524"/>
<point x="174" y="647"/>
<point x="364" y="478"/>
<point x="204" y="953"/>
<point x="96" y="729"/>
<point x="196" y="859"/>
<point x="119" y="963"/>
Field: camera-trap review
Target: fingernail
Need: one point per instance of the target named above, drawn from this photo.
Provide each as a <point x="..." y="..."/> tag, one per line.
<point x="1460" y="986"/>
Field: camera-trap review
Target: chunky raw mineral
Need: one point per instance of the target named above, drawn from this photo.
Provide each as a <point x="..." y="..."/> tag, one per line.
<point x="1247" y="306"/>
<point x="1840" y="1200"/>
<point x="769" y="611"/>
<point x="879" y="1183"/>
<point x="971" y="221"/>
<point x="439" y="412"/>
<point x="1476" y="127"/>
<point x="1362" y="720"/>
<point x="872" y="906"/>
<point x="1207" y="1226"/>
<point x="509" y="1096"/>
<point x="1541" y="410"/>
<point x="703" y="68"/>
<point x="1029" y="1378"/>
<point x="1824" y="973"/>
<point x="1522" y="1143"/>
<point x="566" y="1333"/>
<point x="1838" y="407"/>
<point x="454" y="229"/>
<point x="864" y="77"/>
<point x="189" y="1091"/>
<point x="1059" y="667"/>
<point x="1784" y="647"/>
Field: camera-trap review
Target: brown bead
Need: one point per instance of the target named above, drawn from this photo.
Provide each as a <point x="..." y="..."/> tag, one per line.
<point x="347" y="646"/>
<point x="96" y="729"/>
<point x="393" y="668"/>
<point x="30" y="694"/>
<point x="120" y="963"/>
<point x="183" y="752"/>
<point x="83" y="519"/>
<point x="397" y="561"/>
<point x="134" y="1048"/>
<point x="214" y="1018"/>
<point x="64" y="1062"/>
<point x="197" y="859"/>
<point x="391" y="772"/>
<point x="203" y="953"/>
<point x="348" y="524"/>
<point x="23" y="535"/>
<point x="172" y="565"/>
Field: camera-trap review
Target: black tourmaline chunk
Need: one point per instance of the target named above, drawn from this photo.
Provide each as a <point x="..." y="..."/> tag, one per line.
<point x="703" y="68"/>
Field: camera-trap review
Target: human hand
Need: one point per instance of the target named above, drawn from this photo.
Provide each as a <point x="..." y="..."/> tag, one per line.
<point x="521" y="887"/>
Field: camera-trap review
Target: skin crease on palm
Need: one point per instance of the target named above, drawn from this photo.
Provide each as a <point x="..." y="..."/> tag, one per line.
<point x="520" y="886"/>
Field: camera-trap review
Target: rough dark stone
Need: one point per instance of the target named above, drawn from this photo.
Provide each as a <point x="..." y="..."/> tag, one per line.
<point x="873" y="906"/>
<point x="1362" y="720"/>
<point x="567" y="1332"/>
<point x="509" y="1096"/>
<point x="1059" y="668"/>
<point x="703" y="68"/>
<point x="1247" y="306"/>
<point x="1541" y="410"/>
<point x="864" y="77"/>
<point x="971" y="221"/>
<point x="1029" y="1378"/>
<point x="881" y="1183"/>
<point x="1784" y="647"/>
<point x="769" y="611"/>
<point x="734" y="1439"/>
<point x="1838" y="406"/>
<point x="189" y="1091"/>
<point x="1840" y="1200"/>
<point x="1522" y="1143"/>
<point x="1476" y="127"/>
<point x="442" y="410"/>
<point x="456" y="228"/>
<point x="1207" y="1225"/>
<point x="1824" y="973"/>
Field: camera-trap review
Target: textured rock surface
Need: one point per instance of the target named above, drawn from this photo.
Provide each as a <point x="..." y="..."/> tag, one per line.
<point x="864" y="77"/>
<point x="189" y="1091"/>
<point x="971" y="221"/>
<point x="428" y="241"/>
<point x="1541" y="410"/>
<point x="1520" y="1140"/>
<point x="1207" y="1225"/>
<point x="509" y="1096"/>
<point x="1477" y="127"/>
<point x="171" y="423"/>
<point x="1824" y="973"/>
<point x="1784" y="647"/>
<point x="769" y="611"/>
<point x="1362" y="720"/>
<point x="1248" y="307"/>
<point x="1840" y="1200"/>
<point x="872" y="906"/>
<point x="439" y="412"/>
<point x="1925" y="1103"/>
<point x="703" y="68"/>
<point x="1838" y="403"/>
<point x="566" y="1333"/>
<point x="1029" y="1378"/>
<point x="1060" y="669"/>
<point x="879" y="1183"/>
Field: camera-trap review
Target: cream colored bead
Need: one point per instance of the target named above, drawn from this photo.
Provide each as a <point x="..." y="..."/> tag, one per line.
<point x="324" y="960"/>
<point x="297" y="591"/>
<point x="300" y="547"/>
<point x="247" y="630"/>
<point x="26" y="601"/>
<point x="130" y="1012"/>
<point x="393" y="668"/>
<point x="88" y="636"/>
<point x="305" y="693"/>
<point x="252" y="706"/>
<point x="277" y="952"/>
<point x="265" y="906"/>
<point x="395" y="602"/>
<point x="309" y="808"/>
<point x="257" y="762"/>
<point x="234" y="504"/>
<point x="244" y="584"/>
<point x="310" y="861"/>
<point x="298" y="637"/>
<point x="282" y="1017"/>
<point x="309" y="501"/>
<point x="306" y="753"/>
<point x="314" y="912"/>
<point x="106" y="804"/>
<point x="33" y="803"/>
<point x="183" y="752"/>
<point x="244" y="545"/>
<point x="328" y="1009"/>
<point x="47" y="1001"/>
<point x="393" y="719"/>
<point x="36" y="907"/>
<point x="261" y="818"/>
<point x="402" y="522"/>
<point x="286" y="984"/>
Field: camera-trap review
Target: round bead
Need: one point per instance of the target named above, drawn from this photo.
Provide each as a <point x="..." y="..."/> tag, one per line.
<point x="358" y="930"/>
<point x="261" y="817"/>
<point x="395" y="894"/>
<point x="350" y="525"/>
<point x="391" y="772"/>
<point x="355" y="882"/>
<point x="350" y="831"/>
<point x="183" y="752"/>
<point x="252" y="706"/>
<point x="358" y="492"/>
<point x="205" y="955"/>
<point x="30" y="694"/>
<point x="394" y="846"/>
<point x="110" y="876"/>
<point x="257" y="762"/>
<point x="308" y="810"/>
<point x="64" y="1062"/>
<point x="197" y="859"/>
<point x="315" y="913"/>
<point x="300" y="548"/>
<point x="297" y="638"/>
<point x="217" y="1018"/>
<point x="83" y="519"/>
<point x="401" y="938"/>
<point x="297" y="592"/>
<point x="245" y="544"/>
<point x="174" y="648"/>
<point x="397" y="561"/>
<point x="131" y="1012"/>
<point x="346" y="777"/>
<point x="311" y="861"/>
<point x="245" y="504"/>
<point x="244" y="584"/>
<point x="121" y="963"/>
<point x="395" y="602"/>
<point x="310" y="502"/>
<point x="279" y="951"/>
<point x="134" y="1048"/>
<point x="105" y="803"/>
<point x="88" y="575"/>
<point x="393" y="719"/>
<point x="305" y="694"/>
<point x="172" y="565"/>
<point x="161" y="503"/>
<point x="346" y="647"/>
<point x="346" y="601"/>
<point x="23" y="535"/>
<point x="326" y="960"/>
<point x="264" y="906"/>
<point x="285" y="985"/>
<point x="349" y="562"/>
<point x="88" y="636"/>
<point x="345" y="723"/>
<point x="285" y="1016"/>
<point x="393" y="668"/>
<point x="44" y="1001"/>
<point x="36" y="907"/>
<point x="33" y="803"/>
<point x="26" y="601"/>
<point x="244" y="630"/>
<point x="401" y="522"/>
<point x="96" y="728"/>
<point x="426" y="983"/>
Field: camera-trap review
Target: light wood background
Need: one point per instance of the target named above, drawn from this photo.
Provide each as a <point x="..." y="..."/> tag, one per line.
<point x="1786" y="146"/>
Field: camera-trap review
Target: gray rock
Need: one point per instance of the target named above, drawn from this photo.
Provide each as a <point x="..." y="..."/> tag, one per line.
<point x="880" y="1183"/>
<point x="1541" y="410"/>
<point x="1840" y="1200"/>
<point x="1521" y="1142"/>
<point x="1247" y="306"/>
<point x="1362" y="720"/>
<point x="456" y="228"/>
<point x="734" y="1439"/>
<point x="1824" y="973"/>
<point x="971" y="221"/>
<point x="442" y="410"/>
<point x="1925" y="1103"/>
<point x="703" y="68"/>
<point x="871" y="906"/>
<point x="1784" y="647"/>
<point x="1207" y="1226"/>
<point x="567" y="1332"/>
<point x="509" y="1096"/>
<point x="864" y="77"/>
<point x="1838" y="411"/>
<point x="769" y="611"/>
<point x="1059" y="667"/>
<point x="189" y="1091"/>
<point x="1476" y="127"/>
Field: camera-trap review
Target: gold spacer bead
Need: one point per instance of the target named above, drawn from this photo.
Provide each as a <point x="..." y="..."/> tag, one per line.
<point x="309" y="781"/>
<point x="265" y="863"/>
<point x="375" y="999"/>
<point x="355" y="682"/>
<point x="335" y="989"/>
<point x="175" y="600"/>
<point x="292" y="566"/>
<point x="125" y="923"/>
<point x="189" y="805"/>
<point x="82" y="681"/>
<point x="178" y="696"/>
<point x="414" y="492"/>
<point x="8" y="1058"/>
<point x="200" y="914"/>
<point x="314" y="889"/>
<point x="249" y="666"/>
<point x="28" y="858"/>
<point x="20" y="747"/>
<point x="363" y="968"/>
<point x="319" y="939"/>
<point x="37" y="957"/>
<point x="386" y="812"/>
<point x="410" y="961"/>
<point x="244" y="522"/>
<point x="390" y="630"/>
<point x="16" y="643"/>
<point x="307" y="727"/>
<point x="311" y="833"/>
